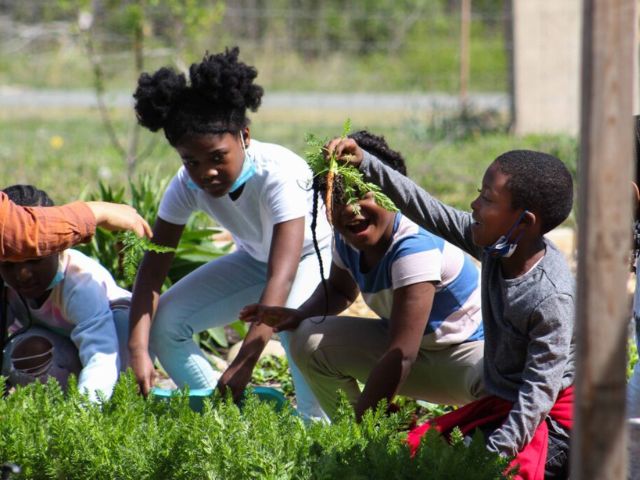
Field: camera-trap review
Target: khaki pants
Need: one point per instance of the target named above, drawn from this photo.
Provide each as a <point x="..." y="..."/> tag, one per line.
<point x="336" y="353"/>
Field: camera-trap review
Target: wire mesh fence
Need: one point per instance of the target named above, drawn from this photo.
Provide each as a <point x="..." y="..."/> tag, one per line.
<point x="331" y="46"/>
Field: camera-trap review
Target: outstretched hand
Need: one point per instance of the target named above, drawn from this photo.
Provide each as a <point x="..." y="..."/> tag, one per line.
<point x="345" y="149"/>
<point x="117" y="216"/>
<point x="279" y="318"/>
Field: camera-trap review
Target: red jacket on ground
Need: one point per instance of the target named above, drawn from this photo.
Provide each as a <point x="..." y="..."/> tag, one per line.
<point x="532" y="458"/>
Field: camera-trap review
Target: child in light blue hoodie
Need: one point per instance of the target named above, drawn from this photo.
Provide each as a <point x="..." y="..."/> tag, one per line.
<point x="67" y="315"/>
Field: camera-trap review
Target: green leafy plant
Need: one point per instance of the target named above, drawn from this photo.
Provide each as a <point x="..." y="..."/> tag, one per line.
<point x="273" y="371"/>
<point x="632" y="355"/>
<point x="352" y="180"/>
<point x="133" y="249"/>
<point x="54" y="435"/>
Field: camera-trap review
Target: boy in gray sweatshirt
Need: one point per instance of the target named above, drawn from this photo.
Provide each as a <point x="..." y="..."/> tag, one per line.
<point x="527" y="287"/>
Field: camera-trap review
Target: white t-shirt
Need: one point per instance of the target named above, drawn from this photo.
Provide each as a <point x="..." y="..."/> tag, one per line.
<point x="280" y="190"/>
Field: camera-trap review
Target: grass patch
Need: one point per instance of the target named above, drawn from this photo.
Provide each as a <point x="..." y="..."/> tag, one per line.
<point x="450" y="168"/>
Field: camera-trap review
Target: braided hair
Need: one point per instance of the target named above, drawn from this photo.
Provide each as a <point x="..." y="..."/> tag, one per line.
<point x="373" y="144"/>
<point x="216" y="99"/>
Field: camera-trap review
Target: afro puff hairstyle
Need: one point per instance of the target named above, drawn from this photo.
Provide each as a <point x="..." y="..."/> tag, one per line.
<point x="216" y="100"/>
<point x="28" y="196"/>
<point x="538" y="182"/>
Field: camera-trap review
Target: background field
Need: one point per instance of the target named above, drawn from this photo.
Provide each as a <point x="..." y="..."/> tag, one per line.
<point x="68" y="152"/>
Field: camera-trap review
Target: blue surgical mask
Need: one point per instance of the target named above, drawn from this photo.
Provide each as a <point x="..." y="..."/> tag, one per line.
<point x="504" y="246"/>
<point x="248" y="171"/>
<point x="191" y="185"/>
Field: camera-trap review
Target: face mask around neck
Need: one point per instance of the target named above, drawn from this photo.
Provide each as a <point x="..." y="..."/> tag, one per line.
<point x="248" y="170"/>
<point x="504" y="246"/>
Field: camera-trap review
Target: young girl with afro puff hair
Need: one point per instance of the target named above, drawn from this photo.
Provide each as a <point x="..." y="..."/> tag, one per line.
<point x="258" y="191"/>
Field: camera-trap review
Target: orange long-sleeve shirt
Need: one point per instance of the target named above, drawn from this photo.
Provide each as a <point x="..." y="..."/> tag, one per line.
<point x="27" y="232"/>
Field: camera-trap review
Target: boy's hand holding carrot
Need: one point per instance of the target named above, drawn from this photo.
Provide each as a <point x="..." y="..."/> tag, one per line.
<point x="345" y="149"/>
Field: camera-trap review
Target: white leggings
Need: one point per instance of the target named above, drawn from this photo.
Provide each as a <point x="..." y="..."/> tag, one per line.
<point x="212" y="296"/>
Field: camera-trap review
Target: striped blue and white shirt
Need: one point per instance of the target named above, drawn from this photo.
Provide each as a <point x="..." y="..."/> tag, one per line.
<point x="415" y="256"/>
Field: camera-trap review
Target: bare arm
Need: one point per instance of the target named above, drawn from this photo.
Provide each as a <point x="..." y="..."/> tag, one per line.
<point x="117" y="216"/>
<point x="31" y="232"/>
<point x="409" y="316"/>
<point x="146" y="293"/>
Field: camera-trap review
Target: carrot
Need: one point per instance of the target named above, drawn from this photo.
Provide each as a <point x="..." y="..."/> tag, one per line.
<point x="328" y="202"/>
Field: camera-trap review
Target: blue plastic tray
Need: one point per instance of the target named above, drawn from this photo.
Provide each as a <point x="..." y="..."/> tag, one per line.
<point x="197" y="396"/>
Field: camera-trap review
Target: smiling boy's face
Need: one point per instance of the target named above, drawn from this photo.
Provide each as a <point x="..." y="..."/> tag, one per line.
<point x="493" y="214"/>
<point x="365" y="229"/>
<point x="30" y="278"/>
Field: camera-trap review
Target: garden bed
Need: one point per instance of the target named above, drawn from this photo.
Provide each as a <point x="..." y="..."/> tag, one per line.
<point x="52" y="435"/>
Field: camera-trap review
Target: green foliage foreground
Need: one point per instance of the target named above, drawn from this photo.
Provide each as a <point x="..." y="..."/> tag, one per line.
<point x="55" y="435"/>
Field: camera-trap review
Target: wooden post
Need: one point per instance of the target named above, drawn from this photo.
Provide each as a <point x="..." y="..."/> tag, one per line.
<point x="605" y="217"/>
<point x="465" y="35"/>
<point x="510" y="53"/>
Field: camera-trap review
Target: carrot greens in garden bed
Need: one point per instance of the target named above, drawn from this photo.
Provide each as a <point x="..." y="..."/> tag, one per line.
<point x="55" y="435"/>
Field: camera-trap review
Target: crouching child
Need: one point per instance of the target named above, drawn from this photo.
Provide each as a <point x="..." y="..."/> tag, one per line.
<point x="66" y="315"/>
<point x="527" y="296"/>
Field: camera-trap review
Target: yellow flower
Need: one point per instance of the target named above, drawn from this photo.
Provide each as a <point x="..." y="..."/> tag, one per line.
<point x="56" y="142"/>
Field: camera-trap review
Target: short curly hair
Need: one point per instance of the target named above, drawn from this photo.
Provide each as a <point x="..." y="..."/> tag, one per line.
<point x="216" y="100"/>
<point x="538" y="182"/>
<point x="28" y="196"/>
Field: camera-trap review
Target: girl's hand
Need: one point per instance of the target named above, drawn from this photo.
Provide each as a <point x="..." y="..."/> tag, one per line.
<point x="236" y="379"/>
<point x="346" y="149"/>
<point x="117" y="216"/>
<point x="143" y="368"/>
<point x="279" y="318"/>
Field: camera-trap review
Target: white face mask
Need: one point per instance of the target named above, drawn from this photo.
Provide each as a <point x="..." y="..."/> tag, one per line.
<point x="504" y="247"/>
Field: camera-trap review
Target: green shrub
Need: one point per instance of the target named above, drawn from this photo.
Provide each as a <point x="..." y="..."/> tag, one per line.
<point x="53" y="435"/>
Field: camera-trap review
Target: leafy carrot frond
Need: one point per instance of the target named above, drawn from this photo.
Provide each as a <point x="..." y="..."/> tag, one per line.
<point x="133" y="249"/>
<point x="353" y="183"/>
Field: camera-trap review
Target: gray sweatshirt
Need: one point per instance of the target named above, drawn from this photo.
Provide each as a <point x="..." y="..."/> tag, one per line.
<point x="529" y="342"/>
